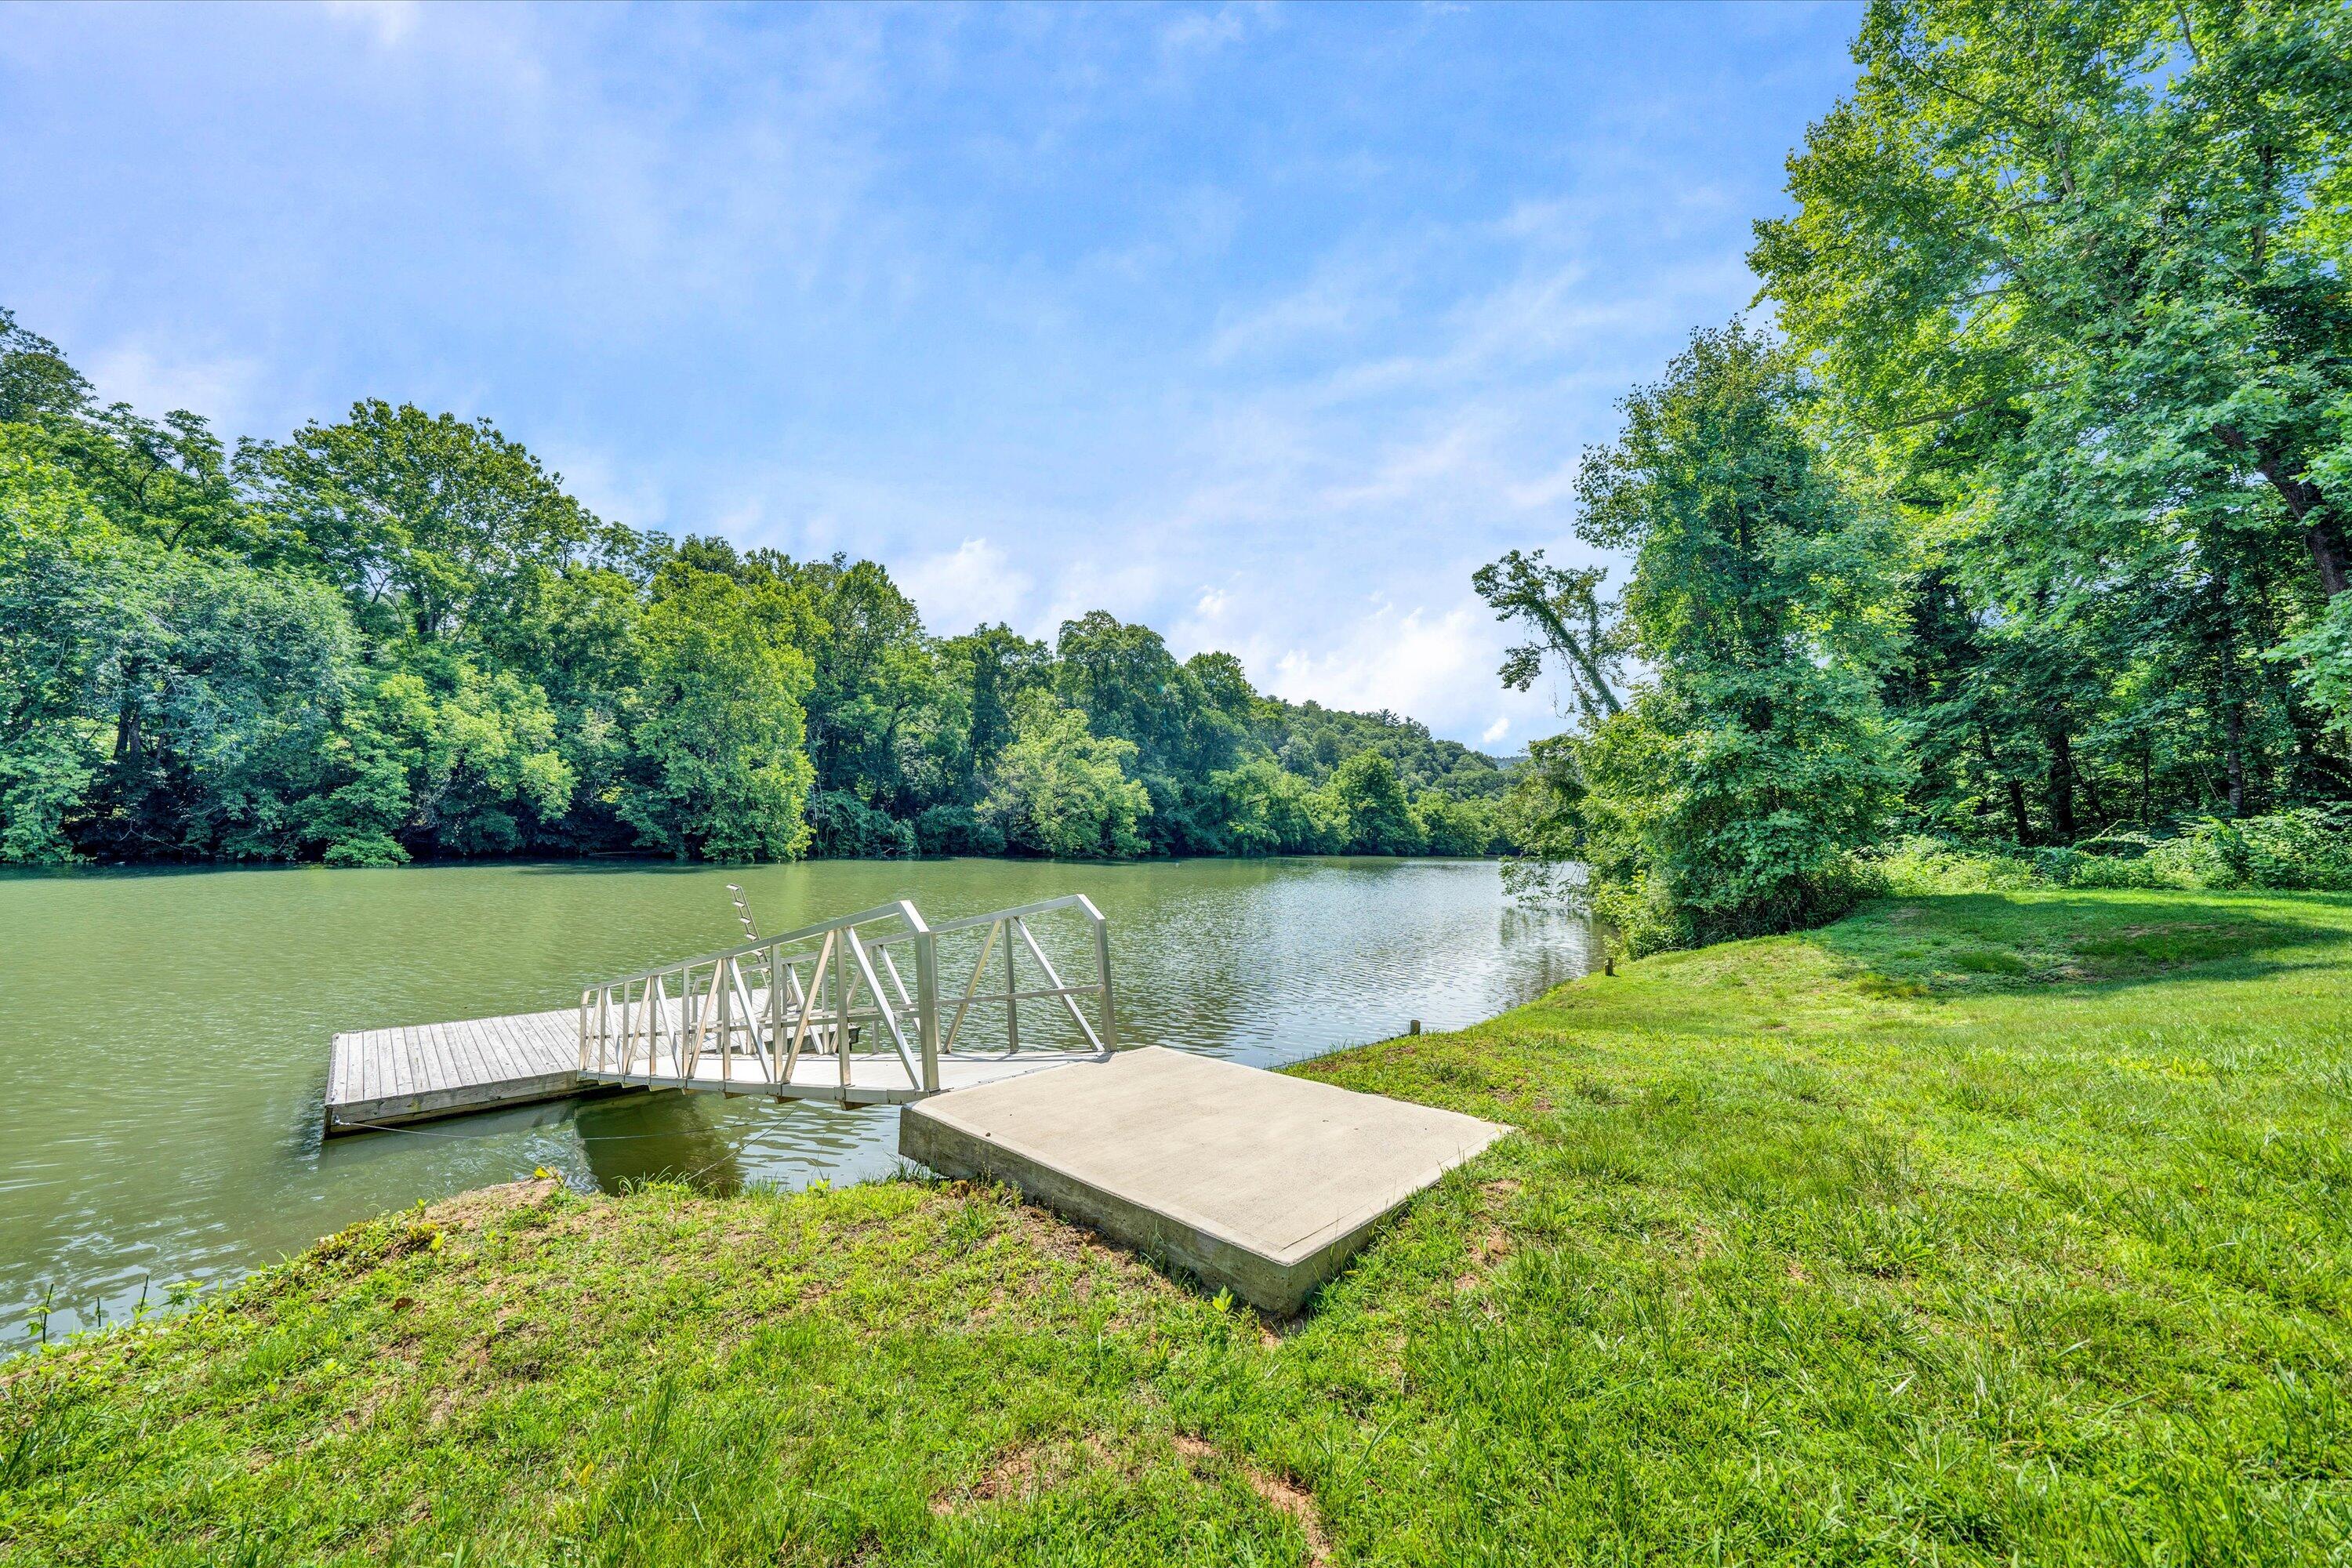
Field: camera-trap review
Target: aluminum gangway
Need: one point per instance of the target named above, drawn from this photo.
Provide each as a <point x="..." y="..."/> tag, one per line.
<point x="868" y="1008"/>
<point x="873" y="1007"/>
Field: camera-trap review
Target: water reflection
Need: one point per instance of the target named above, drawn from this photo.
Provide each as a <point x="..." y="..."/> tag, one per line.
<point x="206" y="1161"/>
<point x="670" y="1136"/>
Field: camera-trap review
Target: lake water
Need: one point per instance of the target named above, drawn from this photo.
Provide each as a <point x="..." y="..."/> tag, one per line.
<point x="163" y="1037"/>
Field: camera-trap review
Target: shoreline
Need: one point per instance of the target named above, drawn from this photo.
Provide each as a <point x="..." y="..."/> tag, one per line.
<point x="1760" y="1206"/>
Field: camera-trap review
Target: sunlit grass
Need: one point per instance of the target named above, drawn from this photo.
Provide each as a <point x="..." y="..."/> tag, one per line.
<point x="2004" y="1227"/>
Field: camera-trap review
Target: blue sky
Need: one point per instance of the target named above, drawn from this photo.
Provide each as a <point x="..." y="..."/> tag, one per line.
<point x="1263" y="326"/>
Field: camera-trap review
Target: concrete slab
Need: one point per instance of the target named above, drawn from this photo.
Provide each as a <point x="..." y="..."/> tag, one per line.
<point x="1259" y="1183"/>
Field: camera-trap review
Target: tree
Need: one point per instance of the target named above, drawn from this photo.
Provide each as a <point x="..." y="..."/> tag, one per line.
<point x="2121" y="222"/>
<point x="1268" y="810"/>
<point x="1725" y="799"/>
<point x="1445" y="825"/>
<point x="1562" y="606"/>
<point x="435" y="523"/>
<point x="2071" y="277"/>
<point x="158" y="704"/>
<point x="1366" y="801"/>
<point x="996" y="666"/>
<point x="398" y="635"/>
<point x="717" y="725"/>
<point x="36" y="384"/>
<point x="1062" y="790"/>
<point x="66" y="589"/>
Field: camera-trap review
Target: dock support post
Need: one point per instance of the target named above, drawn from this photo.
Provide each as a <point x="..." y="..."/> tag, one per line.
<point x="926" y="1006"/>
<point x="841" y="1008"/>
<point x="1102" y="976"/>
<point x="1011" y="1002"/>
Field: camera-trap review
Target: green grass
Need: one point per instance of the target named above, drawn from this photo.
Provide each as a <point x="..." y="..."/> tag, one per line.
<point x="1985" y="1228"/>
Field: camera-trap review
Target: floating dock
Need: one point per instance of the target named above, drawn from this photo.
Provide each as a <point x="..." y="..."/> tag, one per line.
<point x="378" y="1080"/>
<point x="388" y="1078"/>
<point x="1257" y="1182"/>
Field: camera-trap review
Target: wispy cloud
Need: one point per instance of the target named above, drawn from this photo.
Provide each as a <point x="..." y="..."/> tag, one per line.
<point x="1263" y="326"/>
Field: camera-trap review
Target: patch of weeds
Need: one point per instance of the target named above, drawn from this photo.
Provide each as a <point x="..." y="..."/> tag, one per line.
<point x="1875" y="984"/>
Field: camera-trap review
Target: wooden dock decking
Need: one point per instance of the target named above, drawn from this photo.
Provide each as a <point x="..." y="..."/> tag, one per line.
<point x="385" y="1077"/>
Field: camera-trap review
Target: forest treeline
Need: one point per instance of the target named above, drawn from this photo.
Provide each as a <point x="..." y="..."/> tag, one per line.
<point x="2016" y="518"/>
<point x="398" y="635"/>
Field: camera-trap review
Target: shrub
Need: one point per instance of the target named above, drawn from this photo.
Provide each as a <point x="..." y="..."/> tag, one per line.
<point x="957" y="830"/>
<point x="844" y="827"/>
<point x="2307" y="847"/>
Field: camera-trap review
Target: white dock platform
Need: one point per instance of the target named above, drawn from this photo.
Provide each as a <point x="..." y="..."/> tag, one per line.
<point x="1259" y="1183"/>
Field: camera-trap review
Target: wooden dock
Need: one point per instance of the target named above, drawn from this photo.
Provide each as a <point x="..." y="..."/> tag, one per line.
<point x="388" y="1078"/>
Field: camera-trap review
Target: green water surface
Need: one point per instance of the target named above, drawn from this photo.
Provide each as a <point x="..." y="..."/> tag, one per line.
<point x="163" y="1037"/>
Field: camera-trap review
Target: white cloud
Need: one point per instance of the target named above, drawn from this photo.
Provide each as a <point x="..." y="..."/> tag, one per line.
<point x="969" y="586"/>
<point x="1496" y="731"/>
<point x="157" y="379"/>
<point x="389" y="22"/>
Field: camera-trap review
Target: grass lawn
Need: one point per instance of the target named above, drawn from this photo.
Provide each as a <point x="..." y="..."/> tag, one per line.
<point x="1975" y="1228"/>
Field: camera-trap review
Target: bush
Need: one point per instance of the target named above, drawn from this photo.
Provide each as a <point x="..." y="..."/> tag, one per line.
<point x="844" y="827"/>
<point x="957" y="830"/>
<point x="2308" y="847"/>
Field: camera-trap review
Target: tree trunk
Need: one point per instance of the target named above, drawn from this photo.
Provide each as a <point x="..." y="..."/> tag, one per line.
<point x="2327" y="555"/>
<point x="2062" y="783"/>
<point x="2233" y="727"/>
<point x="2020" y="824"/>
<point x="2307" y="505"/>
<point x="2099" y="819"/>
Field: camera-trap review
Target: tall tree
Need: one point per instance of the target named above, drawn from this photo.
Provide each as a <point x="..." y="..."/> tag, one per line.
<point x="437" y="522"/>
<point x="1727" y="796"/>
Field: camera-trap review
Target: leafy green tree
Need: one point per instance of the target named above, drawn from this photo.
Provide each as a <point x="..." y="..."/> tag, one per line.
<point x="1562" y="606"/>
<point x="2120" y="221"/>
<point x="228" y="687"/>
<point x="463" y="763"/>
<point x="718" y="725"/>
<point x="1725" y="799"/>
<point x="439" y="524"/>
<point x="2072" y="279"/>
<point x="995" y="665"/>
<point x="1367" y="802"/>
<point x="842" y="827"/>
<point x="162" y="704"/>
<point x="36" y="385"/>
<point x="65" y="592"/>
<point x="1268" y="810"/>
<point x="1062" y="790"/>
<point x="396" y="636"/>
<point x="885" y="722"/>
<point x="1445" y="825"/>
<point x="2325" y="652"/>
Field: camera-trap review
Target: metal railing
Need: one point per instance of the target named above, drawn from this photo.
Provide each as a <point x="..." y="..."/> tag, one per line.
<point x="749" y="1018"/>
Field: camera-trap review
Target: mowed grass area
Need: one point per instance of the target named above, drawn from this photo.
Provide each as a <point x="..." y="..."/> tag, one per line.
<point x="1986" y="1228"/>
